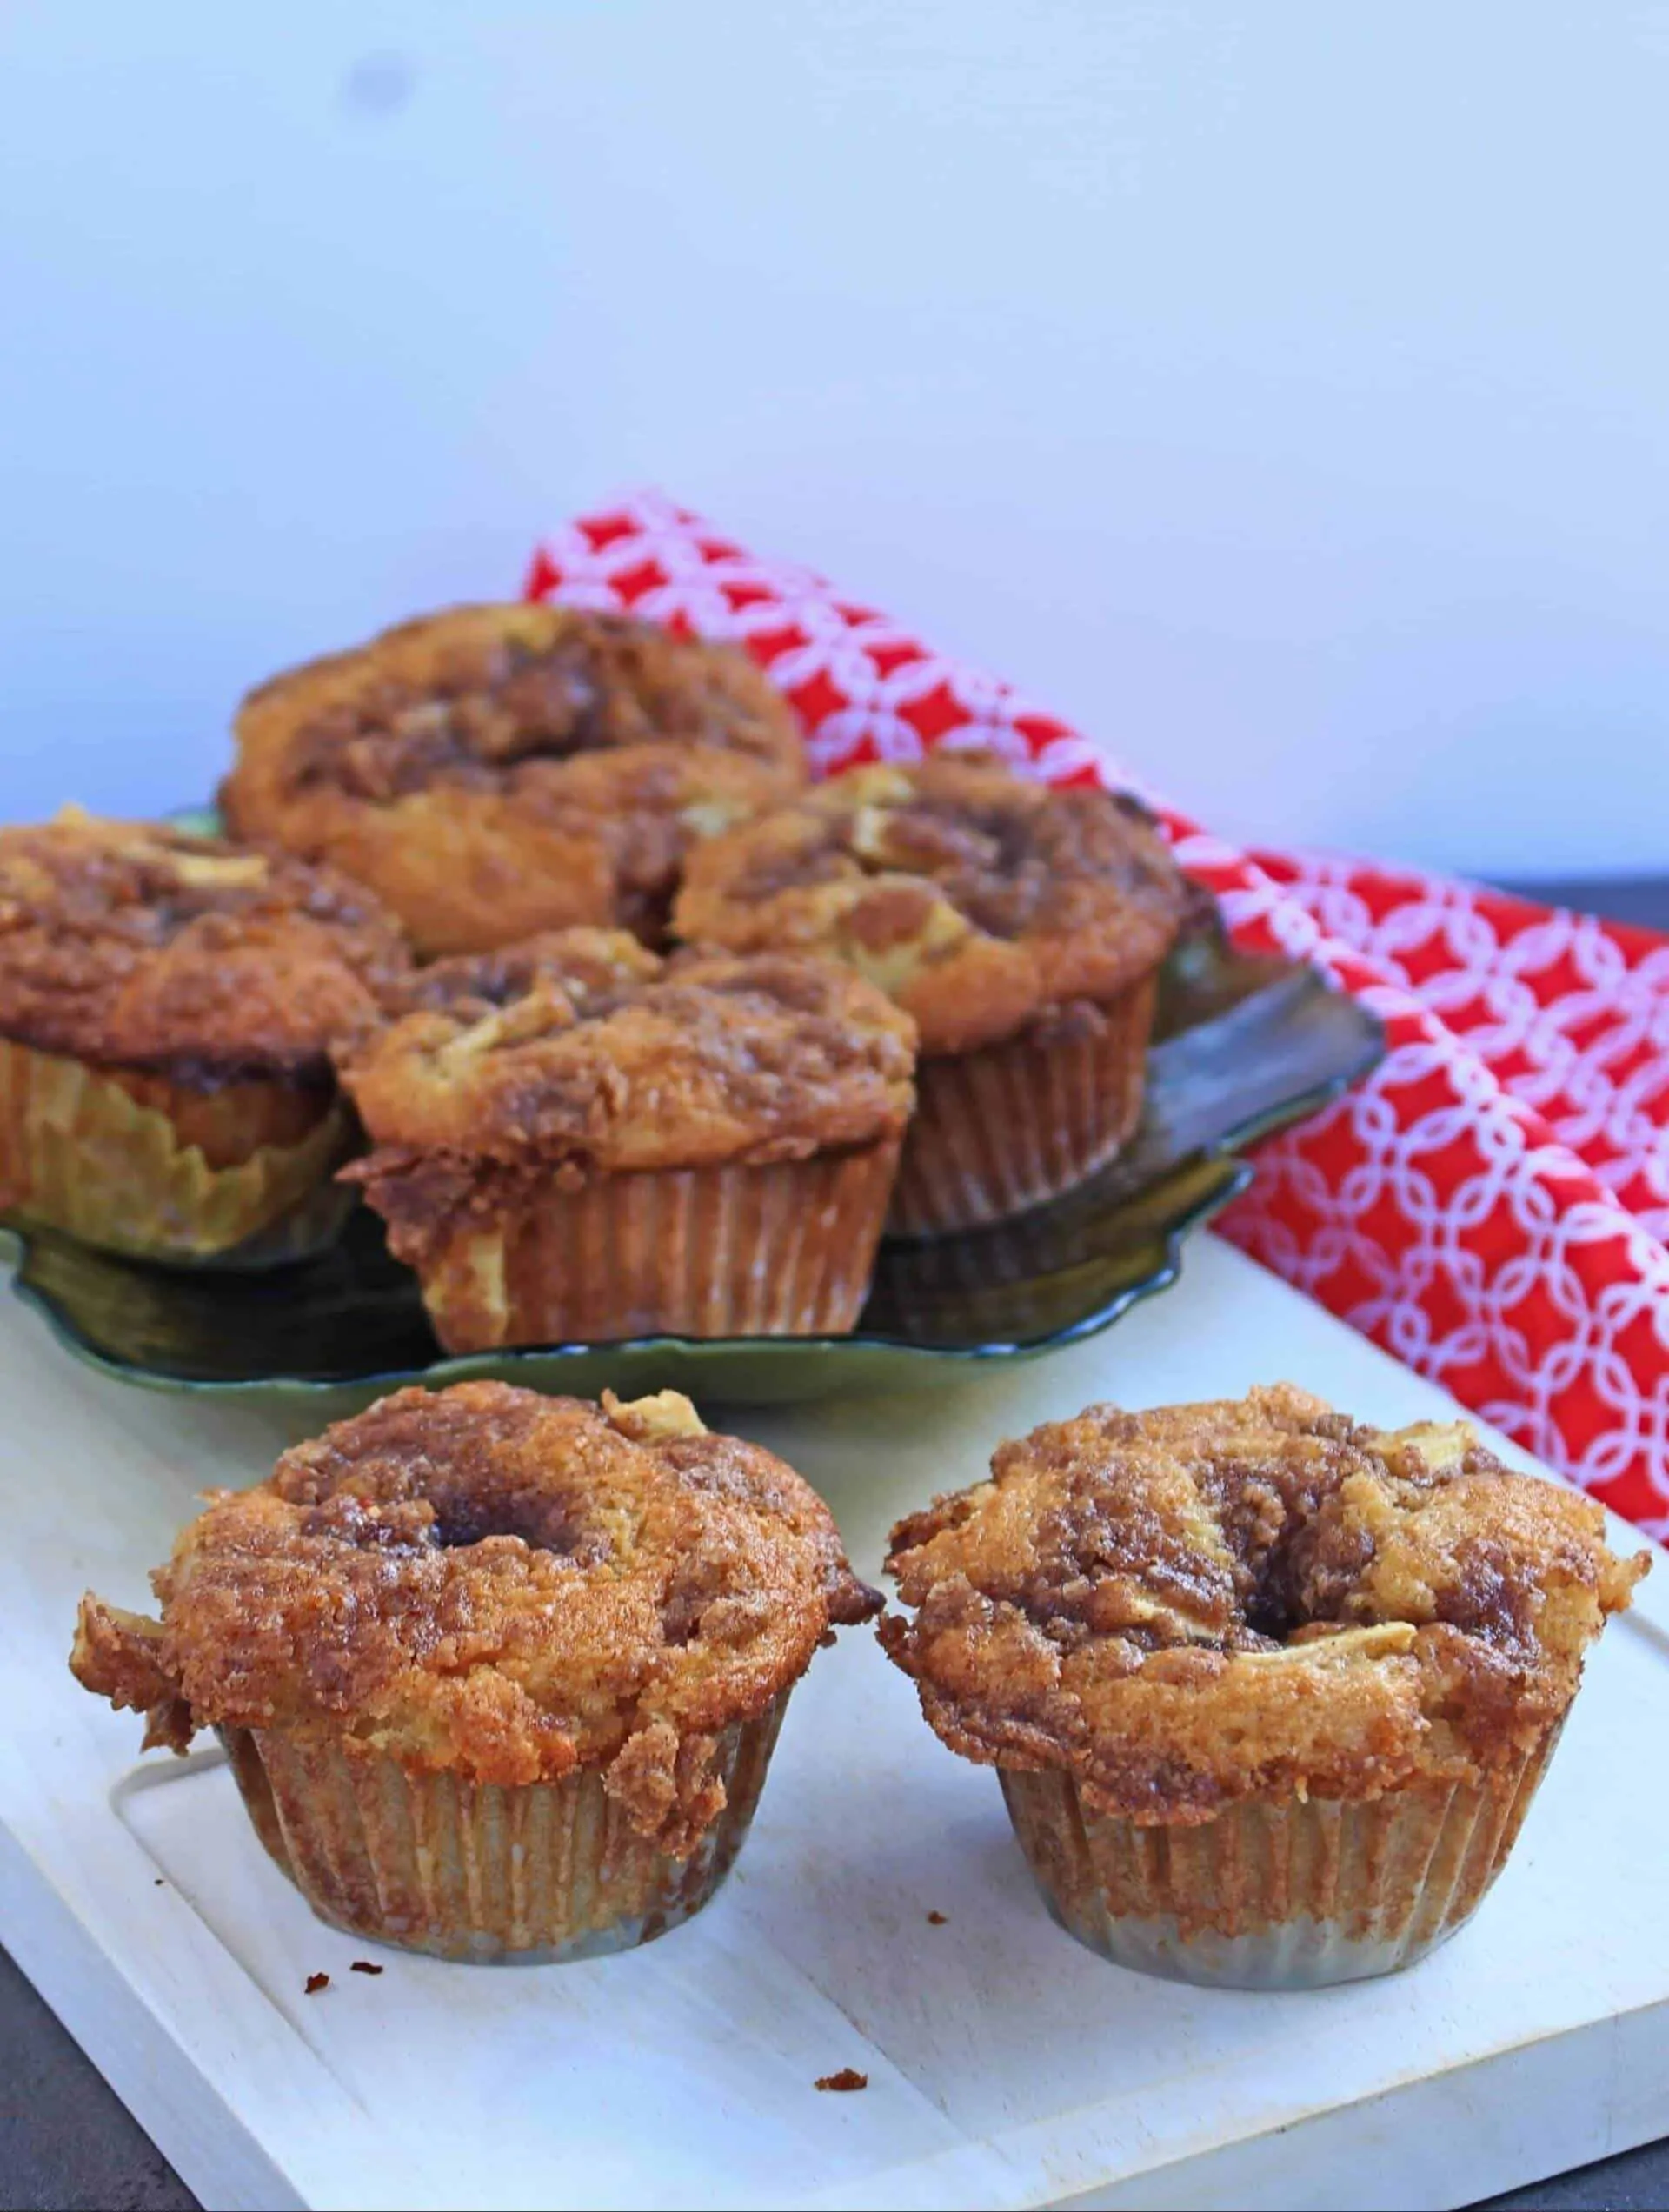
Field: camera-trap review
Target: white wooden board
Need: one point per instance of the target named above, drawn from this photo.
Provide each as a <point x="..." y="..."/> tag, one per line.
<point x="1007" y="2066"/>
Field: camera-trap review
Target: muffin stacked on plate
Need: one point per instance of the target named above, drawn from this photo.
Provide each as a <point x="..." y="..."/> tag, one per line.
<point x="576" y="1140"/>
<point x="492" y="771"/>
<point x="1022" y="928"/>
<point x="630" y="1016"/>
<point x="168" y="1005"/>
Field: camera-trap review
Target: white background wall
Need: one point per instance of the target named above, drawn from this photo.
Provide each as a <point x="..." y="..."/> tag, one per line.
<point x="1280" y="389"/>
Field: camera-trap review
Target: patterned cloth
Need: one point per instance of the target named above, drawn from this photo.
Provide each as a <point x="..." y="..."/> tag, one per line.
<point x="1492" y="1205"/>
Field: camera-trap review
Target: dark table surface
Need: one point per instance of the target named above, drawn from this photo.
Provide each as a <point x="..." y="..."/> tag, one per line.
<point x="66" y="2141"/>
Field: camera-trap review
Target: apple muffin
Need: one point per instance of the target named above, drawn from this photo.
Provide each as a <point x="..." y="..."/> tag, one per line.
<point x="1023" y="929"/>
<point x="576" y="1140"/>
<point x="1268" y="1691"/>
<point x="167" y="1005"/>
<point x="495" y="771"/>
<point x="499" y="1674"/>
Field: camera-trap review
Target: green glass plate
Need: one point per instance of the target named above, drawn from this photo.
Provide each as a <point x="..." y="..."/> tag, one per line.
<point x="1243" y="1045"/>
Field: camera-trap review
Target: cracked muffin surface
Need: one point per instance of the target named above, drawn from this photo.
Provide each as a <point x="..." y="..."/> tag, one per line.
<point x="498" y="1584"/>
<point x="496" y="770"/>
<point x="1258" y="1597"/>
<point x="984" y="903"/>
<point x="583" y="1048"/>
<point x="134" y="946"/>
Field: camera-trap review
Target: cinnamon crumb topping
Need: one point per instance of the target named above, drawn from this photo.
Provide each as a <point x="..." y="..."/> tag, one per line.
<point x="501" y="1584"/>
<point x="1215" y="1602"/>
<point x="981" y="901"/>
<point x="133" y="945"/>
<point x="581" y="1052"/>
<point x="496" y="770"/>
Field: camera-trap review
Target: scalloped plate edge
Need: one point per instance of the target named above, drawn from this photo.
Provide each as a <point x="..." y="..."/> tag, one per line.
<point x="792" y="1356"/>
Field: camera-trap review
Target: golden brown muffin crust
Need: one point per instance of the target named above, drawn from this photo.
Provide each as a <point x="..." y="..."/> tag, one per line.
<point x="131" y="945"/>
<point x="1250" y="1597"/>
<point x="492" y="771"/>
<point x="583" y="1051"/>
<point x="505" y="1585"/>
<point x="590" y="966"/>
<point x="983" y="902"/>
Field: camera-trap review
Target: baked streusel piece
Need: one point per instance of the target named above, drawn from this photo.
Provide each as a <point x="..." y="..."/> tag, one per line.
<point x="167" y="1005"/>
<point x="494" y="771"/>
<point x="1269" y="1691"/>
<point x="500" y="1674"/>
<point x="1021" y="928"/>
<point x="576" y="1140"/>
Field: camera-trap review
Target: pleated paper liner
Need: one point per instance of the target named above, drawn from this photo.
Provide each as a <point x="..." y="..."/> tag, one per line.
<point x="471" y="1870"/>
<point x="1286" y="1896"/>
<point x="1002" y="1130"/>
<point x="717" y="1252"/>
<point x="1242" y="1045"/>
<point x="80" y="1152"/>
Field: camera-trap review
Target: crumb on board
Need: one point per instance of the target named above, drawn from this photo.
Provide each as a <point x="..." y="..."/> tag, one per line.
<point x="316" y="1982"/>
<point x="364" y="1966"/>
<point x="935" y="1920"/>
<point x="847" y="2078"/>
<point x="156" y="1881"/>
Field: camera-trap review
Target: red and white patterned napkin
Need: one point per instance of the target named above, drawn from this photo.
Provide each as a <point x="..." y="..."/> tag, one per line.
<point x="1492" y="1205"/>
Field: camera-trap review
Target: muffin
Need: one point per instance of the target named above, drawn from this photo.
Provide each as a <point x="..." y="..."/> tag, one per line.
<point x="1269" y="1692"/>
<point x="576" y="1140"/>
<point x="167" y="1007"/>
<point x="499" y="1675"/>
<point x="495" y="771"/>
<point x="1022" y="927"/>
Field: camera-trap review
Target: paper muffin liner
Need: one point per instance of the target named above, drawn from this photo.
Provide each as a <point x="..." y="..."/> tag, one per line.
<point x="471" y="1870"/>
<point x="784" y="1250"/>
<point x="1288" y="1896"/>
<point x="1008" y="1126"/>
<point x="78" y="1152"/>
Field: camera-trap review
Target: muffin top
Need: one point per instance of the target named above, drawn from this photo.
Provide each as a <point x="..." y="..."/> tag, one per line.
<point x="131" y="944"/>
<point x="505" y="1585"/>
<point x="980" y="901"/>
<point x="1249" y="1598"/>
<point x="492" y="771"/>
<point x="581" y="1048"/>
